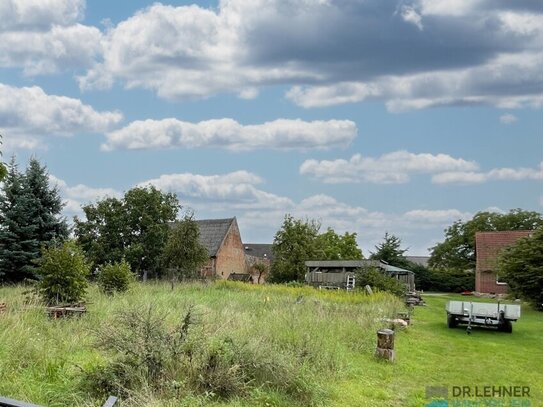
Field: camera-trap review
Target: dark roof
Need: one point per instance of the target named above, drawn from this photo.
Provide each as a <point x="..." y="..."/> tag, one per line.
<point x="343" y="263"/>
<point x="420" y="260"/>
<point x="262" y="250"/>
<point x="354" y="264"/>
<point x="213" y="232"/>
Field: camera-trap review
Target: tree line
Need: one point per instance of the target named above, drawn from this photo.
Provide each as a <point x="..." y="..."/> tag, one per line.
<point x="142" y="229"/>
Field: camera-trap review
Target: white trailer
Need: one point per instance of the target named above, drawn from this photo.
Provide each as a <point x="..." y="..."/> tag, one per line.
<point x="482" y="313"/>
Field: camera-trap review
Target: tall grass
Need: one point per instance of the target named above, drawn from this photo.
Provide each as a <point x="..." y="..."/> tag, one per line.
<point x="290" y="343"/>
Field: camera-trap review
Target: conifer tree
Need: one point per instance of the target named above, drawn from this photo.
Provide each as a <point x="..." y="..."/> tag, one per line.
<point x="29" y="220"/>
<point x="18" y="246"/>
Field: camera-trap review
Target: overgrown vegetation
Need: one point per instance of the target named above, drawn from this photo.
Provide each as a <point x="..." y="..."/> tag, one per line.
<point x="379" y="281"/>
<point x="115" y="277"/>
<point x="282" y="346"/>
<point x="63" y="272"/>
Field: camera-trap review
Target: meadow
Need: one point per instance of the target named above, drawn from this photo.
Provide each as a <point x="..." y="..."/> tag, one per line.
<point x="269" y="346"/>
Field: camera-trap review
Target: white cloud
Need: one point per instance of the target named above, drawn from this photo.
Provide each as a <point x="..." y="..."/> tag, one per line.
<point x="80" y="194"/>
<point x="236" y="190"/>
<point x="261" y="213"/>
<point x="495" y="83"/>
<point x="28" y="113"/>
<point x="39" y="13"/>
<point x="496" y="174"/>
<point x="391" y="168"/>
<point x="195" y="52"/>
<point x="44" y="36"/>
<point x="279" y="134"/>
<point x="410" y="15"/>
<point x="446" y="216"/>
<point x="508" y="118"/>
<point x="57" y="49"/>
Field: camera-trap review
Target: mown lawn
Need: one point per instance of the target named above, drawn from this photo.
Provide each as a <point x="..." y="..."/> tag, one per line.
<point x="322" y="340"/>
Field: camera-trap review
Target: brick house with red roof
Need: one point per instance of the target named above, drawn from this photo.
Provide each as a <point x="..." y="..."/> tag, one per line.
<point x="488" y="246"/>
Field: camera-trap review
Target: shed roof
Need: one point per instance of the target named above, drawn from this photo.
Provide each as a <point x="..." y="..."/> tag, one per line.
<point x="213" y="232"/>
<point x="342" y="263"/>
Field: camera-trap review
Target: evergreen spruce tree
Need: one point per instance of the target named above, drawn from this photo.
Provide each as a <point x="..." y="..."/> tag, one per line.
<point x="47" y="208"/>
<point x="29" y="219"/>
<point x="18" y="245"/>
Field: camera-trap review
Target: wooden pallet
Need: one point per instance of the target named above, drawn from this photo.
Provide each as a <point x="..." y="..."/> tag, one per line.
<point x="68" y="311"/>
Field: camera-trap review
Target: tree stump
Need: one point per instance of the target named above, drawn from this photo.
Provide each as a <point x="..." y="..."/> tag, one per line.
<point x="385" y="345"/>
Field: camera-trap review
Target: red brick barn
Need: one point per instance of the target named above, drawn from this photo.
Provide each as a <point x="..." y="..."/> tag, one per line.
<point x="222" y="239"/>
<point x="488" y="246"/>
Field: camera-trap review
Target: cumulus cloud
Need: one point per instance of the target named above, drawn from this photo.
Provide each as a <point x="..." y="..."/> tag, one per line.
<point x="333" y="52"/>
<point x="45" y="36"/>
<point x="77" y="195"/>
<point x="260" y="213"/>
<point x="280" y="134"/>
<point x="28" y="113"/>
<point x="391" y="168"/>
<point x="34" y="14"/>
<point x="237" y="190"/>
<point x="508" y="118"/>
<point x="496" y="174"/>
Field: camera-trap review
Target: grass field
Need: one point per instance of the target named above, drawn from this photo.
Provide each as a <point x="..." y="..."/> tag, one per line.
<point x="304" y="347"/>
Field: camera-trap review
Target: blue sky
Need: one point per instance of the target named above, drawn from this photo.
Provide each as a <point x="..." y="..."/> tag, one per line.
<point x="371" y="116"/>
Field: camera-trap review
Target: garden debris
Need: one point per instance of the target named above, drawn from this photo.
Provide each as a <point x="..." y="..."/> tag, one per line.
<point x="65" y="311"/>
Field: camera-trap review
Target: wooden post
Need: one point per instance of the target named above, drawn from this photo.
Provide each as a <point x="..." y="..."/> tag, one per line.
<point x="385" y="345"/>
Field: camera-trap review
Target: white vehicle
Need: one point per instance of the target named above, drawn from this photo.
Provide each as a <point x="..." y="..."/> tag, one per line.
<point x="482" y="313"/>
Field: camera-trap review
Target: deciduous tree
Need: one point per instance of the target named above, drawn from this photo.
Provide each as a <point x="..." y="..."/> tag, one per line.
<point x="457" y="251"/>
<point x="522" y="267"/>
<point x="183" y="253"/>
<point x="134" y="227"/>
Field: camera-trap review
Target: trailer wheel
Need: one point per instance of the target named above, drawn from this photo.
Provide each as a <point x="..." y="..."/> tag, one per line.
<point x="452" y="322"/>
<point x="506" y="326"/>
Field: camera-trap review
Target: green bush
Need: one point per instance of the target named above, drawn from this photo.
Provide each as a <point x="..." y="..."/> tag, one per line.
<point x="376" y="279"/>
<point x="115" y="277"/>
<point x="63" y="272"/>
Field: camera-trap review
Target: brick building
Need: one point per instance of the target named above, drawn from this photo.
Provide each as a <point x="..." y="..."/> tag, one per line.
<point x="488" y="246"/>
<point x="222" y="239"/>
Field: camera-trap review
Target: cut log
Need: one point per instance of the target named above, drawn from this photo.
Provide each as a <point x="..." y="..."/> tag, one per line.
<point x="385" y="345"/>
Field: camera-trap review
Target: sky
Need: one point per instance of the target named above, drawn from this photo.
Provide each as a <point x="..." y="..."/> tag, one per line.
<point x="369" y="116"/>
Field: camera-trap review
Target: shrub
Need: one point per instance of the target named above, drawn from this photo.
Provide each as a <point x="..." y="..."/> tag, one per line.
<point x="185" y="361"/>
<point x="378" y="280"/>
<point x="63" y="272"/>
<point x="115" y="277"/>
